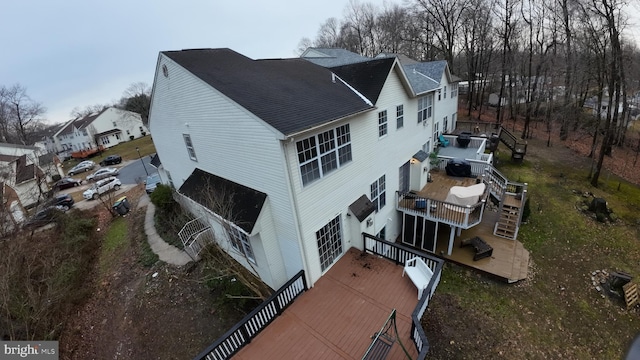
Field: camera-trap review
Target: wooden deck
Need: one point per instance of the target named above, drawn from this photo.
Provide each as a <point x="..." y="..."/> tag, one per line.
<point x="337" y="317"/>
<point x="441" y="183"/>
<point x="509" y="262"/>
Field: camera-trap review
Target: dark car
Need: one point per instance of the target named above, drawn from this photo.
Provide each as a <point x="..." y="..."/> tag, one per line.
<point x="62" y="202"/>
<point x="111" y="160"/>
<point x="42" y="217"/>
<point x="66" y="183"/>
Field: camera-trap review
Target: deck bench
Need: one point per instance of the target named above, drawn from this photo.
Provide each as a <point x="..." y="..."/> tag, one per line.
<point x="419" y="273"/>
<point x="481" y="248"/>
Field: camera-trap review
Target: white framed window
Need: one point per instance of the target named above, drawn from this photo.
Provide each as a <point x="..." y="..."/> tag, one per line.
<point x="117" y="136"/>
<point x="189" y="145"/>
<point x="439" y="94"/>
<point x="105" y="140"/>
<point x="379" y="193"/>
<point x="444" y="93"/>
<point x="436" y="132"/>
<point x="454" y="90"/>
<point x="323" y="153"/>
<point x="382" y="123"/>
<point x="399" y="116"/>
<point x="114" y="124"/>
<point x="240" y="242"/>
<point x="445" y="124"/>
<point x="329" y="239"/>
<point x="425" y="106"/>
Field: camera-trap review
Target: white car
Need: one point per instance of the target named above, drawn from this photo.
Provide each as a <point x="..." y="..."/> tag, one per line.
<point x="103" y="173"/>
<point x="101" y="187"/>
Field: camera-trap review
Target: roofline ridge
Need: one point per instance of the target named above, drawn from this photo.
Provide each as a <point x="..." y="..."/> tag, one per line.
<point x="367" y="101"/>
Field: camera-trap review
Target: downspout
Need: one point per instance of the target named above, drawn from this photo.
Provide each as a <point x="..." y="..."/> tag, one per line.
<point x="294" y="206"/>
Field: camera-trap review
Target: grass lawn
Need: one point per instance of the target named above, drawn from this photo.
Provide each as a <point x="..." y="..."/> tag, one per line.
<point x="127" y="150"/>
<point x="557" y="312"/>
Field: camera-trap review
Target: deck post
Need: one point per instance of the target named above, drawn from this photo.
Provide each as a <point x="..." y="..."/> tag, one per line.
<point x="451" y="237"/>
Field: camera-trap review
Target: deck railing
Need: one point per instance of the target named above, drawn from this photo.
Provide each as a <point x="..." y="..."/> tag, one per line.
<point x="477" y="126"/>
<point x="478" y="166"/>
<point x="463" y="216"/>
<point x="249" y="327"/>
<point x="400" y="254"/>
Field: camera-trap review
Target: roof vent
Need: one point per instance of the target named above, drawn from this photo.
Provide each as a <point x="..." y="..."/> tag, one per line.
<point x="333" y="78"/>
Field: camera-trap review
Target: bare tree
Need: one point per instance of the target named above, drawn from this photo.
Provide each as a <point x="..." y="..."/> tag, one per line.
<point x="137" y="98"/>
<point x="445" y="17"/>
<point x="79" y="113"/>
<point x="19" y="113"/>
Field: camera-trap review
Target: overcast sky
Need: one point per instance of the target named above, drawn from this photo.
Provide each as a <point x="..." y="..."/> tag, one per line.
<point x="75" y="53"/>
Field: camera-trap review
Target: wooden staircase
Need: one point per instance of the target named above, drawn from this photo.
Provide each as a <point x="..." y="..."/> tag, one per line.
<point x="507" y="225"/>
<point x="518" y="148"/>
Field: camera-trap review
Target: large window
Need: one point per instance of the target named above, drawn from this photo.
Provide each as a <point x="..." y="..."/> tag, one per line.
<point x="399" y="116"/>
<point x="425" y="105"/>
<point x="321" y="154"/>
<point x="329" y="242"/>
<point x="240" y="242"/>
<point x="382" y="123"/>
<point x="190" y="149"/>
<point x="454" y="90"/>
<point x="379" y="193"/>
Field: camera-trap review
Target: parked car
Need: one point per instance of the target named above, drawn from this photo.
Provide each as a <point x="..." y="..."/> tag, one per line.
<point x="62" y="202"/>
<point x="82" y="167"/>
<point x="42" y="217"/>
<point x="66" y="183"/>
<point x="152" y="182"/>
<point x="111" y="160"/>
<point x="101" y="187"/>
<point x="103" y="173"/>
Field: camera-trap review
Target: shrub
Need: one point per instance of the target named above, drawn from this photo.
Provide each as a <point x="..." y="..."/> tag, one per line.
<point x="162" y="197"/>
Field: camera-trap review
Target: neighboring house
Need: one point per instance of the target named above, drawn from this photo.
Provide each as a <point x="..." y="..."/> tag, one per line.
<point x="45" y="160"/>
<point x="108" y="128"/>
<point x="313" y="154"/>
<point x="24" y="177"/>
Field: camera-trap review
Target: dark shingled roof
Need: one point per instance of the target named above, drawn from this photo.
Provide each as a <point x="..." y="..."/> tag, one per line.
<point x="155" y="161"/>
<point x="289" y="94"/>
<point x="366" y="77"/>
<point x="362" y="208"/>
<point x="247" y="202"/>
<point x="421" y="156"/>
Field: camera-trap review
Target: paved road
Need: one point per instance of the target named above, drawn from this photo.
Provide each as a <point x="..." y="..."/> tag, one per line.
<point x="134" y="172"/>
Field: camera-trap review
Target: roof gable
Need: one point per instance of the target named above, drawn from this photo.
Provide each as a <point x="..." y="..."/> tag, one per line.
<point x="246" y="202"/>
<point x="425" y="76"/>
<point x="366" y="77"/>
<point x="291" y="95"/>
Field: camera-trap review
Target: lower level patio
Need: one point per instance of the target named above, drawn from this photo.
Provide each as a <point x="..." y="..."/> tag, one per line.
<point x="508" y="262"/>
<point x="337" y="317"/>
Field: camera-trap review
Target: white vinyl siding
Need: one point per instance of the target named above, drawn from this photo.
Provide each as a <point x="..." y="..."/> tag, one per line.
<point x="220" y="131"/>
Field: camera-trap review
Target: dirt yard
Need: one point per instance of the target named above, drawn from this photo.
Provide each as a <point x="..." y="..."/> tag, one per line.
<point x="160" y="312"/>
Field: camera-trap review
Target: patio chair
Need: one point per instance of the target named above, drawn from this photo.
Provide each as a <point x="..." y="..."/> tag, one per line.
<point x="443" y="142"/>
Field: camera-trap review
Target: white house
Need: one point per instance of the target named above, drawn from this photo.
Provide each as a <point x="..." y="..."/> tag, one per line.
<point x="25" y="178"/>
<point x="108" y="128"/>
<point x="312" y="153"/>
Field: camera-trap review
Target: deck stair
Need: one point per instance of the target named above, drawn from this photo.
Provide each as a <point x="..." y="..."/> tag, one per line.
<point x="507" y="225"/>
<point x="518" y="148"/>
